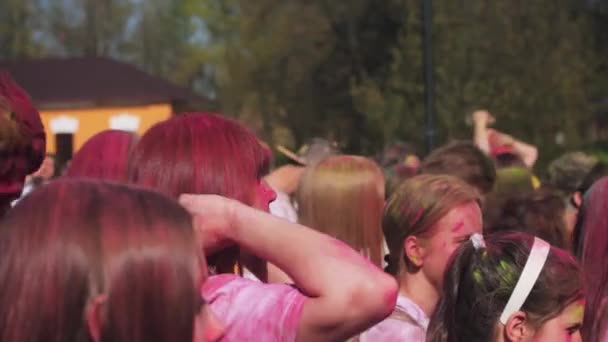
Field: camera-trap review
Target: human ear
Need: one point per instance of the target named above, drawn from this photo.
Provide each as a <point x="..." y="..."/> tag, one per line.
<point x="517" y="328"/>
<point x="413" y="250"/>
<point x="577" y="197"/>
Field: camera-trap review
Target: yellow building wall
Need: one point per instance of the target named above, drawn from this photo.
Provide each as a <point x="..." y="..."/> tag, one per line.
<point x="94" y="120"/>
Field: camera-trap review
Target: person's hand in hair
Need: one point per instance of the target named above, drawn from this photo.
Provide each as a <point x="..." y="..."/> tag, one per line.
<point x="346" y="293"/>
<point x="213" y="217"/>
<point x="481" y="120"/>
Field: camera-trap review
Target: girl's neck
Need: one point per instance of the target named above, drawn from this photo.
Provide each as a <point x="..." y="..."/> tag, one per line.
<point x="419" y="290"/>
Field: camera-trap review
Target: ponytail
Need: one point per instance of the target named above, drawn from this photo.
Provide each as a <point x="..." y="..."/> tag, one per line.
<point x="480" y="280"/>
<point x="445" y="314"/>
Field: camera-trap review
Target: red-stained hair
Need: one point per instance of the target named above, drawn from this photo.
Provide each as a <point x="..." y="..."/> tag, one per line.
<point x="70" y="242"/>
<point x="200" y="153"/>
<point x="593" y="253"/>
<point x="104" y="156"/>
<point x="22" y="140"/>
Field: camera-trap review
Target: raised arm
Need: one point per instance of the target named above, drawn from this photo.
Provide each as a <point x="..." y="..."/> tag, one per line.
<point x="347" y="294"/>
<point x="527" y="152"/>
<point x="481" y="134"/>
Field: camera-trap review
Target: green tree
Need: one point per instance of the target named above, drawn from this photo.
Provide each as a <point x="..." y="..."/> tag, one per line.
<point x="82" y="27"/>
<point x="528" y="62"/>
<point x="16" y="21"/>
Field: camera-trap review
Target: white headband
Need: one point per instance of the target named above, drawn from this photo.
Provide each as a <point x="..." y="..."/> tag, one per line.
<point x="527" y="279"/>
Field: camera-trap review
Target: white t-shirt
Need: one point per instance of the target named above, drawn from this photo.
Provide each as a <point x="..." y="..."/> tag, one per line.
<point x="282" y="207"/>
<point x="407" y="323"/>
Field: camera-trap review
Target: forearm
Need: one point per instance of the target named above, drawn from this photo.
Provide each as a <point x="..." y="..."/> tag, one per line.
<point x="528" y="153"/>
<point x="347" y="293"/>
<point x="300" y="251"/>
<point x="481" y="136"/>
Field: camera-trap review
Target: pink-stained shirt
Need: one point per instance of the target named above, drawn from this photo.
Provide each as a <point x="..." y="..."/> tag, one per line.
<point x="253" y="311"/>
<point x="407" y="323"/>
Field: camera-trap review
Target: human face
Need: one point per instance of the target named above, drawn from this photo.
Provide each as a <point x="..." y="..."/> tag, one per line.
<point x="565" y="327"/>
<point x="263" y="195"/>
<point x="449" y="232"/>
<point x="207" y="327"/>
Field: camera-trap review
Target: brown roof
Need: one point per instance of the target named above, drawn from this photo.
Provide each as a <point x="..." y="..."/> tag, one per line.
<point x="94" y="81"/>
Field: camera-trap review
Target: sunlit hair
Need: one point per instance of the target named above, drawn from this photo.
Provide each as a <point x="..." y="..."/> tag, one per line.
<point x="479" y="282"/>
<point x="343" y="196"/>
<point x="201" y="153"/>
<point x="414" y="209"/>
<point x="592" y="252"/>
<point x="104" y="156"/>
<point x="70" y="242"/>
<point x="464" y="160"/>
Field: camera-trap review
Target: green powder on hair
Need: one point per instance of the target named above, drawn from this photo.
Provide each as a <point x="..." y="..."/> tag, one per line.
<point x="477" y="276"/>
<point x="507" y="273"/>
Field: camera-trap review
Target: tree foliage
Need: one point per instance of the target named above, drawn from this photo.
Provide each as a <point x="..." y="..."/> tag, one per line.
<point x="352" y="70"/>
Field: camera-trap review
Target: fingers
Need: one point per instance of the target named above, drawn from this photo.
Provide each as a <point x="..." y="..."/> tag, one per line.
<point x="185" y="199"/>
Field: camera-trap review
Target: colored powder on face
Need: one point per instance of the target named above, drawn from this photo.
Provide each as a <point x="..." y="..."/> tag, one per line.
<point x="579" y="312"/>
<point x="457" y="227"/>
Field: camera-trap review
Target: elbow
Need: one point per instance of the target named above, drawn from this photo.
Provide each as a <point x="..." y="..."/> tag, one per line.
<point x="358" y="305"/>
<point x="383" y="296"/>
<point x="532" y="157"/>
<point x="372" y="300"/>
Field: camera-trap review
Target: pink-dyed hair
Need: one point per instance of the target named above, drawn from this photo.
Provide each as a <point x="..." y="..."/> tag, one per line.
<point x="593" y="253"/>
<point x="22" y="140"/>
<point x="71" y="242"/>
<point x="104" y="156"/>
<point x="200" y="153"/>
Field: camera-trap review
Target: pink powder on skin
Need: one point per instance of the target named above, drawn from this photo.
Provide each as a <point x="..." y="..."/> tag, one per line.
<point x="457" y="227"/>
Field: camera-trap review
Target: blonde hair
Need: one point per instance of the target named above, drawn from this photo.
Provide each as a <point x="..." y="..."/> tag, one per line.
<point x="414" y="209"/>
<point x="343" y="196"/>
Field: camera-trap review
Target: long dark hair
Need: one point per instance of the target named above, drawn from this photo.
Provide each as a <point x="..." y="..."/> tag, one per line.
<point x="70" y="242"/>
<point x="540" y="213"/>
<point x="479" y="282"/>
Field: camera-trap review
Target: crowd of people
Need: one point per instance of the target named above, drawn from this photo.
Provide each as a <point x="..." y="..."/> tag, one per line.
<point x="187" y="233"/>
